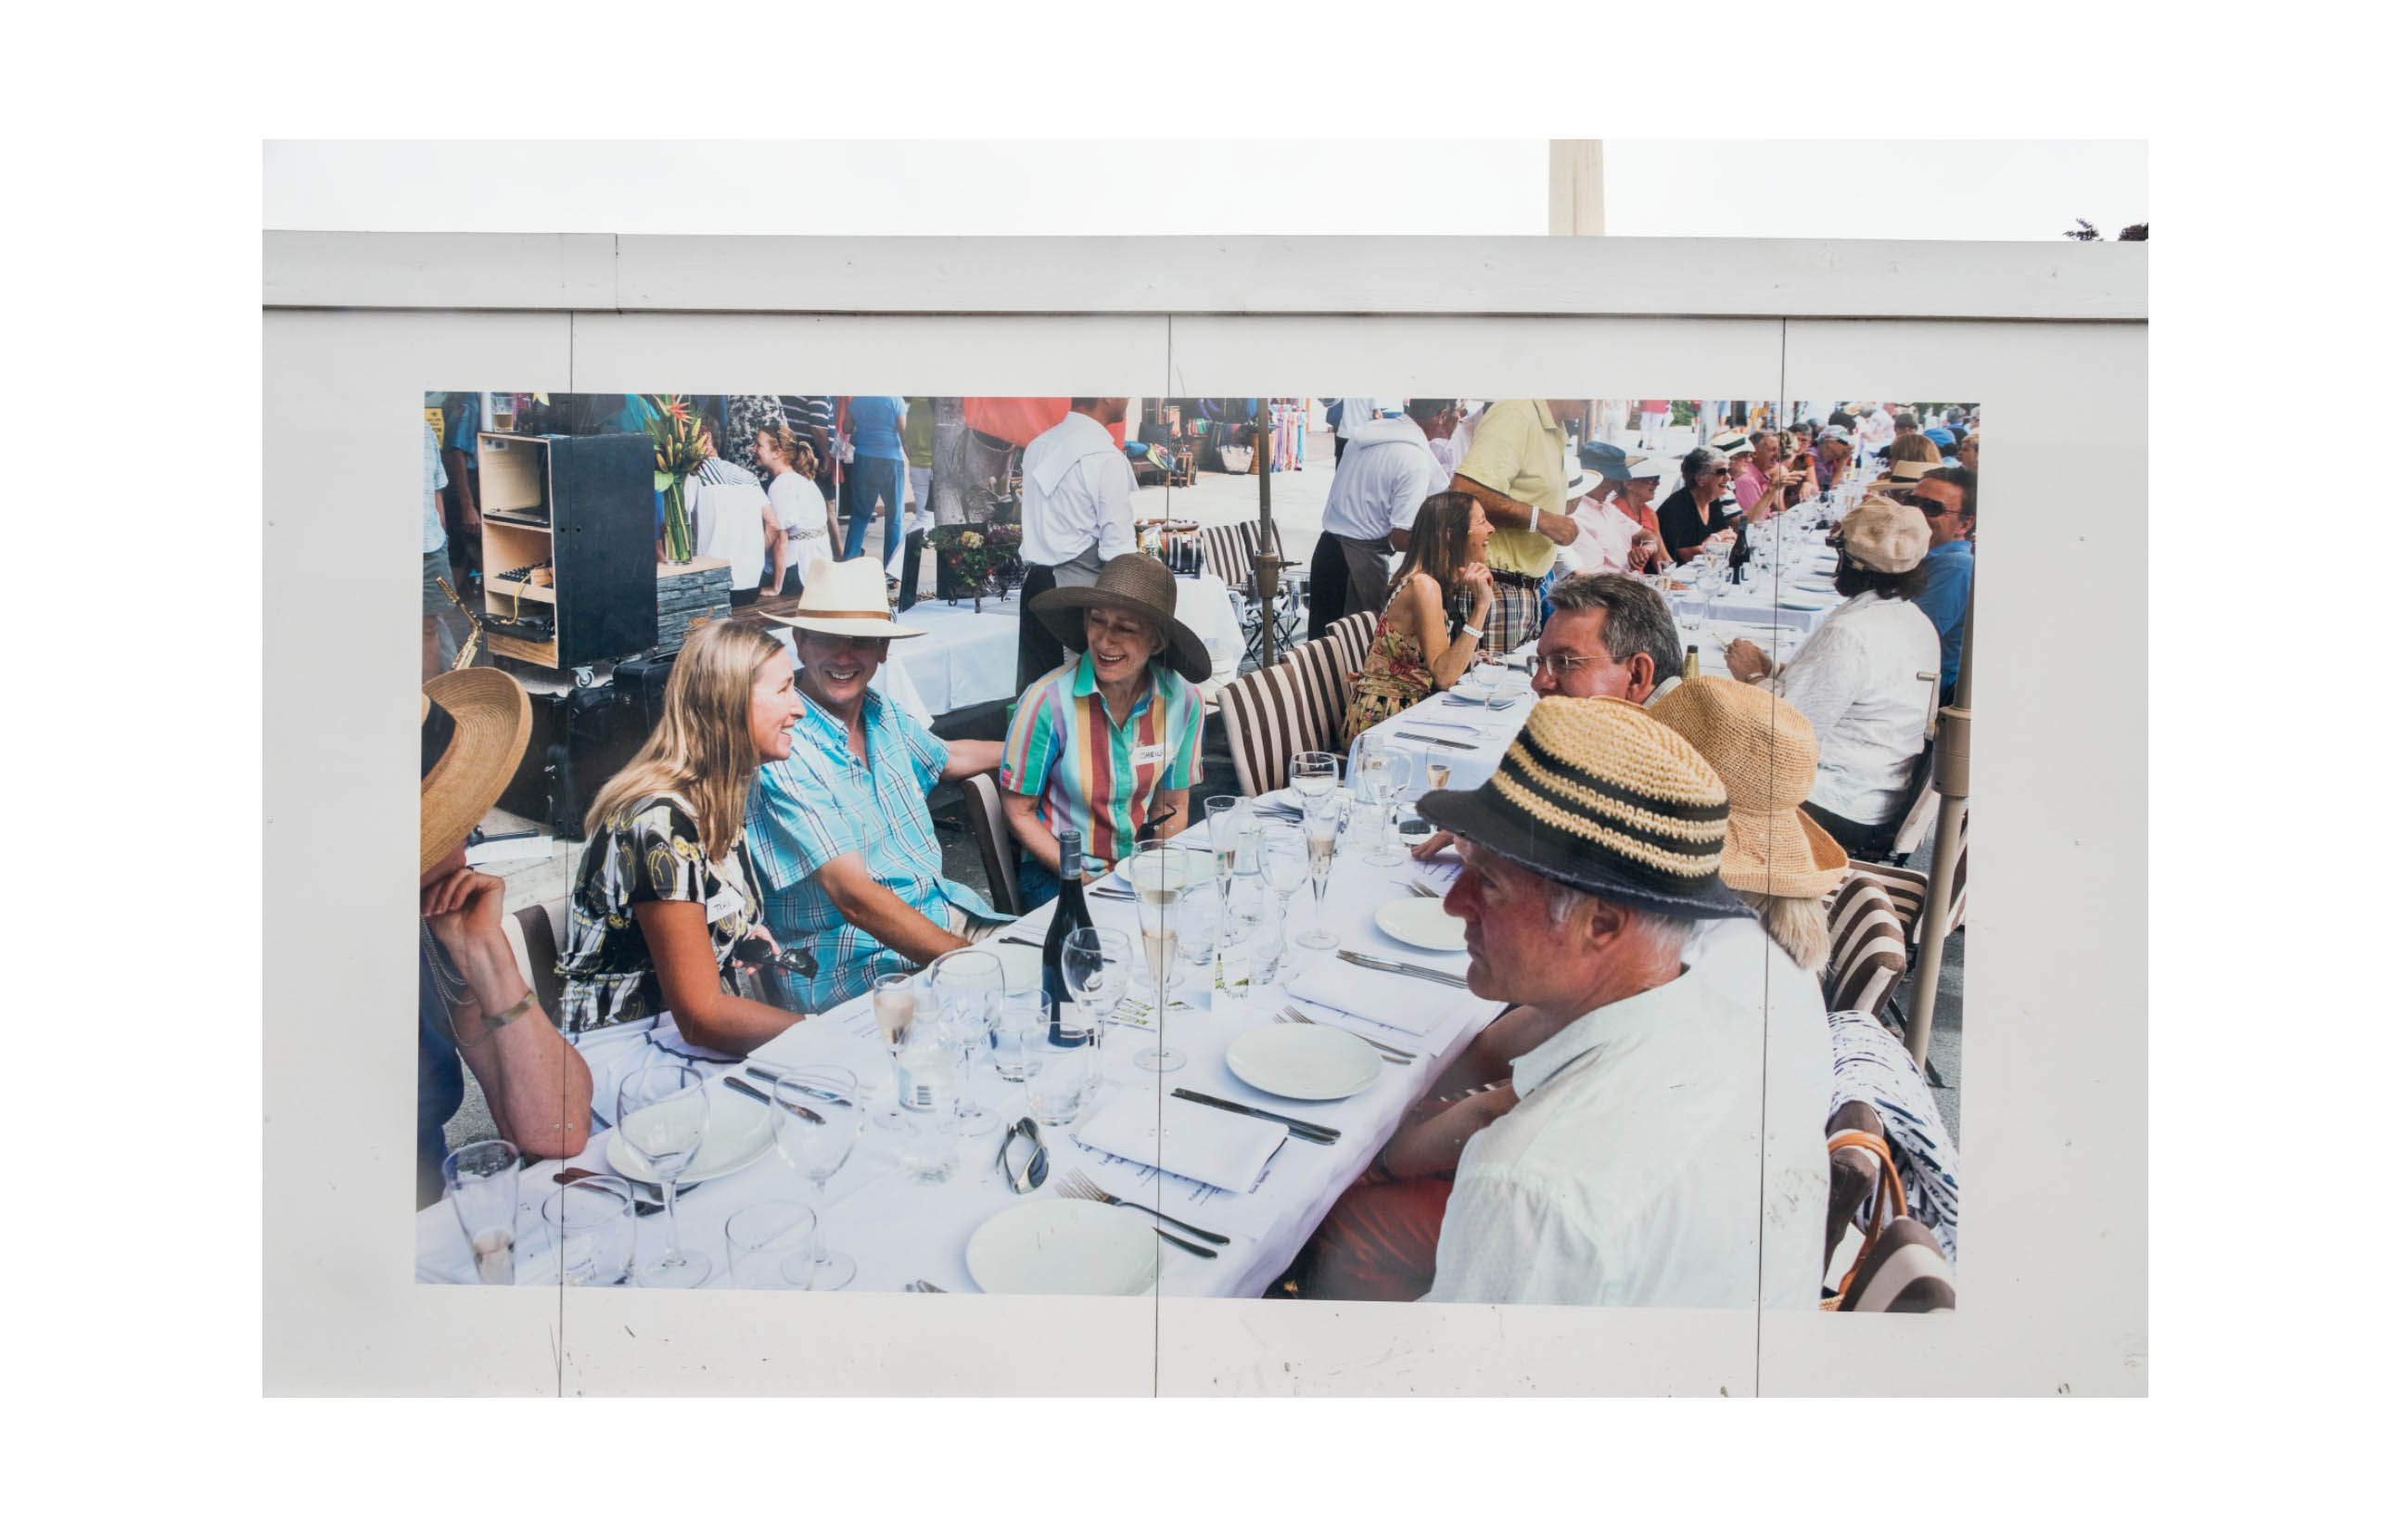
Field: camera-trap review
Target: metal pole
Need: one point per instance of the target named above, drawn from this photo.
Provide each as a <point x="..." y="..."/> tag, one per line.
<point x="1952" y="772"/>
<point x="1266" y="562"/>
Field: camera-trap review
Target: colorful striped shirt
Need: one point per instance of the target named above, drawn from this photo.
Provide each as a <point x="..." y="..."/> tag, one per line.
<point x="1092" y="774"/>
<point x="821" y="803"/>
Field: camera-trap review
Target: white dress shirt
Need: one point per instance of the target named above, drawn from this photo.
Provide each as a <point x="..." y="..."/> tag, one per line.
<point x="1604" y="542"/>
<point x="1387" y="473"/>
<point x="1736" y="956"/>
<point x="1855" y="680"/>
<point x="1629" y="1174"/>
<point x="1075" y="490"/>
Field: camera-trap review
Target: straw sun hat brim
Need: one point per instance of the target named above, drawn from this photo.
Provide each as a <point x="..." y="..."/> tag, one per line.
<point x="490" y="721"/>
<point x="850" y="628"/>
<point x="1802" y="860"/>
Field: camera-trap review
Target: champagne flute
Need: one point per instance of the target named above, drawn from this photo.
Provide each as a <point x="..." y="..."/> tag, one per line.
<point x="1158" y="872"/>
<point x="968" y="986"/>
<point x="664" y="1113"/>
<point x="1285" y="862"/>
<point x="1321" y="848"/>
<point x="818" y="1128"/>
<point x="1221" y="821"/>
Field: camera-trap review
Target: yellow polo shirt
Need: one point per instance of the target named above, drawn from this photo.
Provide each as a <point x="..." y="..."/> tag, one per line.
<point x="1519" y="451"/>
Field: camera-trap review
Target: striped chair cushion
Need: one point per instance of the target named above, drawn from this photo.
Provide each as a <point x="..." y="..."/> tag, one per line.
<point x="1905" y="887"/>
<point x="1905" y="1272"/>
<point x="1226" y="554"/>
<point x="1268" y="716"/>
<point x="1868" y="948"/>
<point x="1328" y="686"/>
<point x="1354" y="635"/>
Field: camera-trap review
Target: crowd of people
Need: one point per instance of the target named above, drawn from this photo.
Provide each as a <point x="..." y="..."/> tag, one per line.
<point x="1646" y="845"/>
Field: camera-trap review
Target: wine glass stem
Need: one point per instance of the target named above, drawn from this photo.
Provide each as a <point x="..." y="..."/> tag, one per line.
<point x="668" y="1208"/>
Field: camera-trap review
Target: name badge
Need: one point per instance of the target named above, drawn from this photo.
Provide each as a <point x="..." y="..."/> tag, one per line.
<point x="1150" y="756"/>
<point x="726" y="903"/>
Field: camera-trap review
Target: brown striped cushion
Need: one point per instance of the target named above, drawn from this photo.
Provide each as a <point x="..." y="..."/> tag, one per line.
<point x="1269" y="716"/>
<point x="1906" y="1271"/>
<point x="1226" y="556"/>
<point x="1868" y="948"/>
<point x="1905" y="887"/>
<point x="1855" y="1172"/>
<point x="1354" y="635"/>
<point x="1329" y="685"/>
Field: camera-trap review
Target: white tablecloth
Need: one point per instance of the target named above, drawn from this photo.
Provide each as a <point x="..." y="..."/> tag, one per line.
<point x="899" y="1231"/>
<point x="970" y="658"/>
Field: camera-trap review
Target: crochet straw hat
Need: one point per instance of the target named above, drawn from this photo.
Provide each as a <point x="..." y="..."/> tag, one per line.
<point x="472" y="724"/>
<point x="1594" y="795"/>
<point x="1763" y="750"/>
<point x="1881" y="535"/>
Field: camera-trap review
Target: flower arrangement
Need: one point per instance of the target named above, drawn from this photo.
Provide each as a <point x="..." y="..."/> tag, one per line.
<point x="677" y="453"/>
<point x="976" y="559"/>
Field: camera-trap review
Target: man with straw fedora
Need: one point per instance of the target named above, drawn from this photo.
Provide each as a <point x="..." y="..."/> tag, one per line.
<point x="854" y="875"/>
<point x="473" y="1003"/>
<point x="1627" y="1172"/>
<point x="1109" y="745"/>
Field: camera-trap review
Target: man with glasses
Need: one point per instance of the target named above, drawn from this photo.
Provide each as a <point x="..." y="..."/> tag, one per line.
<point x="1945" y="498"/>
<point x="1611" y="636"/>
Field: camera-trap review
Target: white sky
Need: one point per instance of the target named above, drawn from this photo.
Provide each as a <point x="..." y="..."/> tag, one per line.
<point x="1921" y="190"/>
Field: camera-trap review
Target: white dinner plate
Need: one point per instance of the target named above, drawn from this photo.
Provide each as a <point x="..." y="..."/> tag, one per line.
<point x="1303" y="1061"/>
<point x="740" y="1133"/>
<point x="1422" y="923"/>
<point x="1063" y="1247"/>
<point x="1200" y="868"/>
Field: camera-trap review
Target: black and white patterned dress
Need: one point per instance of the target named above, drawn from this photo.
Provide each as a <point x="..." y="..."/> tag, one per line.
<point x="651" y="851"/>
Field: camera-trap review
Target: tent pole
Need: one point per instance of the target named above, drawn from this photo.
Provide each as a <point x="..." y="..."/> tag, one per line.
<point x="1267" y="563"/>
<point x="1952" y="772"/>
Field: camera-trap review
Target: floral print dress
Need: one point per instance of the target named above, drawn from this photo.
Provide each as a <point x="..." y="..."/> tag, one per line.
<point x="651" y="851"/>
<point x="1394" y="676"/>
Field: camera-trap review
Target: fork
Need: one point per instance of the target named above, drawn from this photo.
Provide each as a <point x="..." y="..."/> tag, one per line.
<point x="1393" y="1053"/>
<point x="1078" y="1186"/>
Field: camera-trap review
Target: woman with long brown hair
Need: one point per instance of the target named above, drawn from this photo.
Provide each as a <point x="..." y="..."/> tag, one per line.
<point x="665" y="892"/>
<point x="1437" y="610"/>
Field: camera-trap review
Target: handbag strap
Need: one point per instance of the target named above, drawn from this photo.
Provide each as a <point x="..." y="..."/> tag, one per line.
<point x="1888" y="1198"/>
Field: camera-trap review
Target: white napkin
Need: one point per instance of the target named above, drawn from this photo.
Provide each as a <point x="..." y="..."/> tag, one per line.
<point x="1209" y="1145"/>
<point x="1401" y="1003"/>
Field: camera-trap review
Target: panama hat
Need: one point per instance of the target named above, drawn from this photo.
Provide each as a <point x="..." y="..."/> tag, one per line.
<point x="1140" y="583"/>
<point x="1594" y="795"/>
<point x="472" y="726"/>
<point x="1730" y="444"/>
<point x="1881" y="535"/>
<point x="1763" y="750"/>
<point x="846" y="597"/>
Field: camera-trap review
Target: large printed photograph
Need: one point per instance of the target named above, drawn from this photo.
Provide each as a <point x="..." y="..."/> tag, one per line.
<point x="1286" y="847"/>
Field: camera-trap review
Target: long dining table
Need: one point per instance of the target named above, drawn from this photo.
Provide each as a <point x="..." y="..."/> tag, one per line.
<point x="907" y="1234"/>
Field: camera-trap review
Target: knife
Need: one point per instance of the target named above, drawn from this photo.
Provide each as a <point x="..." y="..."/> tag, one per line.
<point x="1302" y="1129"/>
<point x="1398" y="967"/>
<point x="770" y="1075"/>
<point x="1407" y="735"/>
<point x="737" y="1084"/>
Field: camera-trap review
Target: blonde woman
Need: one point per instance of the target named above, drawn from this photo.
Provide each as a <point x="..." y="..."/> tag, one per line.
<point x="666" y="891"/>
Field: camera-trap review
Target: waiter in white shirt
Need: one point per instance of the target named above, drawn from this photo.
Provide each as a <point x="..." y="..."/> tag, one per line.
<point x="1075" y="513"/>
<point x="1373" y="499"/>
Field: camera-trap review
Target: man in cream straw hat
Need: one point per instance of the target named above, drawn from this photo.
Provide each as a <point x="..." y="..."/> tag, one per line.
<point x="1628" y="1170"/>
<point x="473" y="1003"/>
<point x="841" y="831"/>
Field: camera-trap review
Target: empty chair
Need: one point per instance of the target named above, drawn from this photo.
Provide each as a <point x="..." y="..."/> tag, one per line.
<point x="1268" y="716"/>
<point x="983" y="807"/>
<point x="1227" y="556"/>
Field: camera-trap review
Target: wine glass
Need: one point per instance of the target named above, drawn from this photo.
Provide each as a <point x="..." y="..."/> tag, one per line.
<point x="1096" y="964"/>
<point x="1283" y="868"/>
<point x="1243" y="913"/>
<point x="1221" y="820"/>
<point x="967" y="988"/>
<point x="663" y="1112"/>
<point x="482" y="1179"/>
<point x="1321" y="824"/>
<point x="1313" y="775"/>
<point x="817" y="1131"/>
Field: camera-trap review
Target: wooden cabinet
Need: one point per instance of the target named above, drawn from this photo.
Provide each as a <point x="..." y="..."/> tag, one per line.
<point x="579" y="508"/>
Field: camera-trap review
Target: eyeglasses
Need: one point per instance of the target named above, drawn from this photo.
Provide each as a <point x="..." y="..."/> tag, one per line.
<point x="1556" y="665"/>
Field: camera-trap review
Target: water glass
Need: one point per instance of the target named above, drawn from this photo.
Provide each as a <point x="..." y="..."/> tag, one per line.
<point x="762" y="1237"/>
<point x="1017" y="1037"/>
<point x="482" y="1179"/>
<point x="967" y="988"/>
<point x="926" y="1062"/>
<point x="928" y="1149"/>
<point x="1059" y="1077"/>
<point x="592" y="1224"/>
<point x="1220" y="813"/>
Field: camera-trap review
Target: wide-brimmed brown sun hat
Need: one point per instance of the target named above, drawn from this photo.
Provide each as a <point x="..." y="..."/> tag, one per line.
<point x="846" y="597"/>
<point x="1763" y="750"/>
<point x="472" y="726"/>
<point x="1881" y="535"/>
<point x="1140" y="583"/>
<point x="1595" y="794"/>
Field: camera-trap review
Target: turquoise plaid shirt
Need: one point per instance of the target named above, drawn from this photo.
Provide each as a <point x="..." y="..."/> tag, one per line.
<point x="820" y="804"/>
